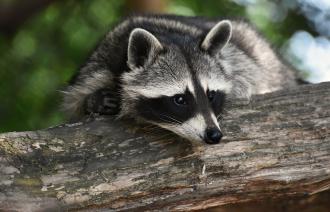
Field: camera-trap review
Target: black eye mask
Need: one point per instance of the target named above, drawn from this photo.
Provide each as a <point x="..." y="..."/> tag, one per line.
<point x="164" y="109"/>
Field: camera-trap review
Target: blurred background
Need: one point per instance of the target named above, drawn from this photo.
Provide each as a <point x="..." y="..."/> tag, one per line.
<point x="43" y="42"/>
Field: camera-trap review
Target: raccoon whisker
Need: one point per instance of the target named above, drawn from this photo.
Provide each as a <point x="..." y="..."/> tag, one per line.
<point x="151" y="126"/>
<point x="191" y="129"/>
<point x="155" y="129"/>
<point x="173" y="119"/>
<point x="149" y="130"/>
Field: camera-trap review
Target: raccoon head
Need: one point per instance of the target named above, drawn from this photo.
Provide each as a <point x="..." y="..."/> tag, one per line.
<point x="177" y="83"/>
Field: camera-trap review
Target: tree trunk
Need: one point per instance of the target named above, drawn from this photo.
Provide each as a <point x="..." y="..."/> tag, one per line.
<point x="276" y="146"/>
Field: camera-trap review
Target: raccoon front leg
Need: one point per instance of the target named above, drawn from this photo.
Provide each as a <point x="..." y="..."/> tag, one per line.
<point x="104" y="102"/>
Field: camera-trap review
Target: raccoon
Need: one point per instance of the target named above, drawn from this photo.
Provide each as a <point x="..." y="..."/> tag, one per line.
<point x="176" y="72"/>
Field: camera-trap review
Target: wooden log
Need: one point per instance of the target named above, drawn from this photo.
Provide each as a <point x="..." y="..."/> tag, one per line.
<point x="275" y="146"/>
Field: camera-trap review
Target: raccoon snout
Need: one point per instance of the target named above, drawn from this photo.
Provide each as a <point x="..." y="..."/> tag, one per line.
<point x="213" y="136"/>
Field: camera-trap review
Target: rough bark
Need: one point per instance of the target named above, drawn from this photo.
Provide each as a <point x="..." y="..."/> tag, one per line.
<point x="276" y="146"/>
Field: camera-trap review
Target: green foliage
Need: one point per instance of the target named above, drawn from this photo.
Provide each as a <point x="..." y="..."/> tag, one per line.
<point x="38" y="61"/>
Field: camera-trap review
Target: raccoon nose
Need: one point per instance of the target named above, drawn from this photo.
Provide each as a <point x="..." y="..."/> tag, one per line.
<point x="213" y="136"/>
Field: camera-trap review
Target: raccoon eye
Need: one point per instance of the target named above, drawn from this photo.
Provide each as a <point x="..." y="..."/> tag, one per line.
<point x="210" y="95"/>
<point x="180" y="100"/>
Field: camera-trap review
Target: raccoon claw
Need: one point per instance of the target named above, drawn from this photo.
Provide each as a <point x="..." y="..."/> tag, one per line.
<point x="103" y="102"/>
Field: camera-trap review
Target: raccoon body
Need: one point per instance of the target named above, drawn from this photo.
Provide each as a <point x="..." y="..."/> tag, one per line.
<point x="176" y="72"/>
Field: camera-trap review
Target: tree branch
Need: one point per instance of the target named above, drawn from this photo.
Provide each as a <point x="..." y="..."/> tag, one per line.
<point x="276" y="146"/>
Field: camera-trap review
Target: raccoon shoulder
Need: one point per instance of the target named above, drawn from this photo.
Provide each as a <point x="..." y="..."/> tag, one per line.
<point x="253" y="43"/>
<point x="263" y="68"/>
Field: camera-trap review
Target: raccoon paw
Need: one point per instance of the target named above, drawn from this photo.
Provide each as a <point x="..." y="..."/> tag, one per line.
<point x="103" y="101"/>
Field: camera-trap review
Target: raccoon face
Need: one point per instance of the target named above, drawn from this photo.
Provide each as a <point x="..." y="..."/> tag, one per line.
<point x="177" y="86"/>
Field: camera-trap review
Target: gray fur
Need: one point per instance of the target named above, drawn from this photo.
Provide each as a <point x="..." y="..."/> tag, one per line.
<point x="241" y="64"/>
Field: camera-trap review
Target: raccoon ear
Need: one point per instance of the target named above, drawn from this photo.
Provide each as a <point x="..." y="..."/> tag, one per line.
<point x="143" y="47"/>
<point x="217" y="37"/>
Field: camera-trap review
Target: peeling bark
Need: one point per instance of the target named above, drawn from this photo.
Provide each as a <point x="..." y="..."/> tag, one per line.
<point x="275" y="146"/>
